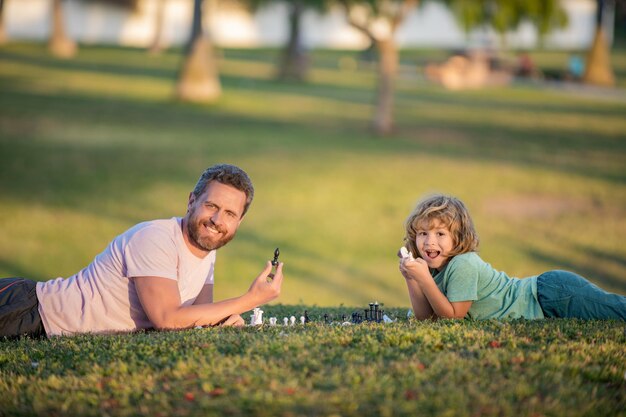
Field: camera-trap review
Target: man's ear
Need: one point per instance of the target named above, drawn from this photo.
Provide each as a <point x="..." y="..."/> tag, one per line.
<point x="192" y="199"/>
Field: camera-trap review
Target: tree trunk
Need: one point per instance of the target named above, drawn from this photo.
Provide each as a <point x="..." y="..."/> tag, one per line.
<point x="387" y="69"/>
<point x="3" y="33"/>
<point x="157" y="42"/>
<point x="598" y="70"/>
<point x="198" y="80"/>
<point x="294" y="62"/>
<point x="59" y="44"/>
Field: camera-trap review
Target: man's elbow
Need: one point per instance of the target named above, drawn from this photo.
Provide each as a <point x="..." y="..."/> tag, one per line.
<point x="164" y="322"/>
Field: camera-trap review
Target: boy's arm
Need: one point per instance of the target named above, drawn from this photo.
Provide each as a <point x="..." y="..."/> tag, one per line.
<point x="421" y="306"/>
<point x="440" y="303"/>
<point x="417" y="270"/>
<point x="160" y="300"/>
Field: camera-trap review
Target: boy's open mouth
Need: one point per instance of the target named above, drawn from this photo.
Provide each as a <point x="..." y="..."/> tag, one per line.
<point x="432" y="254"/>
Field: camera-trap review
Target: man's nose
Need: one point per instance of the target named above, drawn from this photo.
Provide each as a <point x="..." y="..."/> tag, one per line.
<point x="216" y="218"/>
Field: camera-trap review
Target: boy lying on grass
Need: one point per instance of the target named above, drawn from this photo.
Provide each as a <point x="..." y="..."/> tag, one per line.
<point x="446" y="277"/>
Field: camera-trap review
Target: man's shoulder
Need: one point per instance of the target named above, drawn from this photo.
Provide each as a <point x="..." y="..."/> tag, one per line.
<point x="159" y="227"/>
<point x="154" y="233"/>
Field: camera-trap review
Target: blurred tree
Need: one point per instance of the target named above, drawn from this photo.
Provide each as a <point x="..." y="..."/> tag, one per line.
<point x="598" y="69"/>
<point x="198" y="80"/>
<point x="294" y="60"/>
<point x="506" y="15"/>
<point x="3" y="33"/>
<point x="59" y="44"/>
<point x="157" y="46"/>
<point x="379" y="21"/>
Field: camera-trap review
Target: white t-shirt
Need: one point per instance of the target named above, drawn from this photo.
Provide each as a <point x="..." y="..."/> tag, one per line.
<point x="102" y="299"/>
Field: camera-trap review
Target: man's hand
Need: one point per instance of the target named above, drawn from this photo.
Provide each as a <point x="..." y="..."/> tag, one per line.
<point x="266" y="286"/>
<point x="235" y="320"/>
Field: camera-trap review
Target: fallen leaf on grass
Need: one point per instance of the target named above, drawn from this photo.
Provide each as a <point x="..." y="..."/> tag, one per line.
<point x="216" y="392"/>
<point x="410" y="394"/>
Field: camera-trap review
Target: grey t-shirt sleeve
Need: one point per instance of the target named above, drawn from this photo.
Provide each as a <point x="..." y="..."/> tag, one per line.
<point x="461" y="280"/>
<point x="151" y="252"/>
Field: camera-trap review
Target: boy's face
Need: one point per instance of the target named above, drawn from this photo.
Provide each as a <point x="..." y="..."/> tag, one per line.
<point x="434" y="243"/>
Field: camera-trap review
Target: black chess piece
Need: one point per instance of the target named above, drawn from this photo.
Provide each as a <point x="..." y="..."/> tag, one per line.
<point x="306" y="317"/>
<point x="276" y="254"/>
<point x="326" y="318"/>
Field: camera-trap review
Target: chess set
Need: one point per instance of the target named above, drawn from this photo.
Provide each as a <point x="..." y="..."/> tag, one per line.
<point x="372" y="315"/>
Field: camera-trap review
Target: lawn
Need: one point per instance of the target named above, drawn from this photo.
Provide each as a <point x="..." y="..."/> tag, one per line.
<point x="93" y="145"/>
<point x="448" y="368"/>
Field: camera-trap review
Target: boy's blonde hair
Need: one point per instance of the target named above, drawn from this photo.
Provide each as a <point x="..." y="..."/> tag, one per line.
<point x="452" y="213"/>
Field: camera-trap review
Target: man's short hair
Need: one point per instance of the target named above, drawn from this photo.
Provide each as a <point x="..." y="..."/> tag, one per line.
<point x="228" y="175"/>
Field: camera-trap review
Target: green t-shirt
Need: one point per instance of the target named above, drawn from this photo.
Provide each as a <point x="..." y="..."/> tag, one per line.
<point x="495" y="295"/>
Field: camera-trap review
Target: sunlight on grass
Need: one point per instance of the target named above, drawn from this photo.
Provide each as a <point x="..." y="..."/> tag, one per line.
<point x="88" y="83"/>
<point x="91" y="147"/>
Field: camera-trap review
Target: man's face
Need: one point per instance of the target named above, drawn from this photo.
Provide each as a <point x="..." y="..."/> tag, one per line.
<point x="213" y="218"/>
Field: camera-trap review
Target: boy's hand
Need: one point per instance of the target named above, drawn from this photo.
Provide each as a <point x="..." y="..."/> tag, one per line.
<point x="415" y="269"/>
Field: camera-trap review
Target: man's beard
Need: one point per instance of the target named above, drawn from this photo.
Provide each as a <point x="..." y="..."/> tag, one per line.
<point x="205" y="243"/>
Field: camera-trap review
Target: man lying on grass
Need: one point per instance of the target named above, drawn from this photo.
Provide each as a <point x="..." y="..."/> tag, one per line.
<point x="158" y="274"/>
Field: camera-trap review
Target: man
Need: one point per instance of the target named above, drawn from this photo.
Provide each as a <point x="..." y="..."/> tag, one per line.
<point x="158" y="274"/>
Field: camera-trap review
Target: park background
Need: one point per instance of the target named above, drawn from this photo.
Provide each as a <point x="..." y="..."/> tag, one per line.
<point x="99" y="135"/>
<point x="98" y="140"/>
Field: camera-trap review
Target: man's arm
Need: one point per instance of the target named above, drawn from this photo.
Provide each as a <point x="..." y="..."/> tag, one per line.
<point x="160" y="300"/>
<point x="206" y="295"/>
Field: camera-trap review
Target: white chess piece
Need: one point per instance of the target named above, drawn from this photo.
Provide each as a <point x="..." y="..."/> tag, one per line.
<point x="292" y="320"/>
<point x="286" y="321"/>
<point x="404" y="252"/>
<point x="386" y="319"/>
<point x="256" y="318"/>
<point x="301" y="319"/>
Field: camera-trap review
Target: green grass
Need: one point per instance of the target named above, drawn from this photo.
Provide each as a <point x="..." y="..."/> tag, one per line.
<point x="91" y="146"/>
<point x="455" y="368"/>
